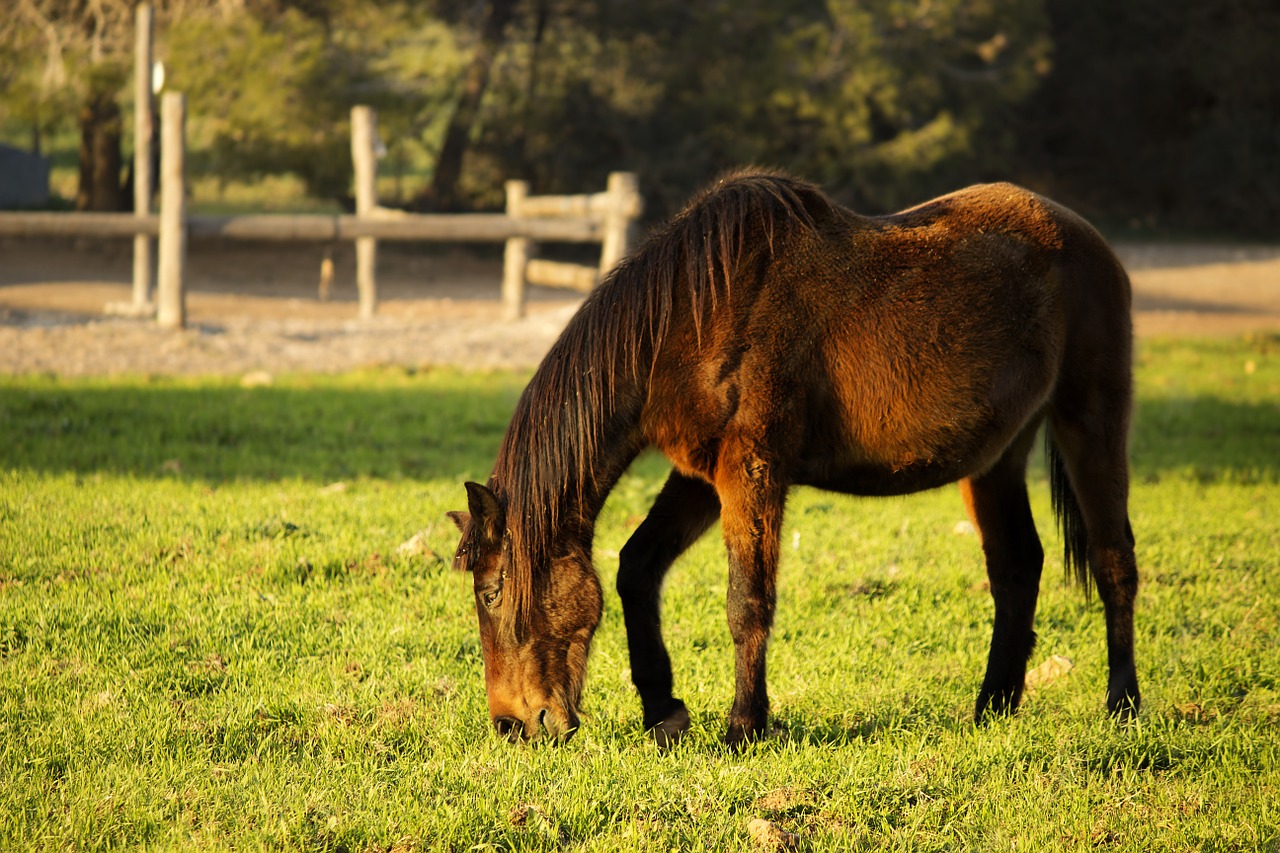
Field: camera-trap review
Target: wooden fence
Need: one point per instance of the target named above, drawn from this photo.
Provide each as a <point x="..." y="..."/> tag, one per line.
<point x="608" y="218"/>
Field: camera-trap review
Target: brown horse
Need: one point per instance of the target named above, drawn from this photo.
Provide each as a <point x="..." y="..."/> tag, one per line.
<point x="767" y="338"/>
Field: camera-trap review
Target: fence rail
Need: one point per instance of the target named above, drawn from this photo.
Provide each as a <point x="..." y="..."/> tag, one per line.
<point x="23" y="224"/>
<point x="445" y="228"/>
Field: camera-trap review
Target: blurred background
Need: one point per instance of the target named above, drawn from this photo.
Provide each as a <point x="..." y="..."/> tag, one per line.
<point x="1148" y="116"/>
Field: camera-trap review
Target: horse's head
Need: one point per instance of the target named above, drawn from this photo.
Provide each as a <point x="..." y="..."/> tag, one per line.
<point x="534" y="662"/>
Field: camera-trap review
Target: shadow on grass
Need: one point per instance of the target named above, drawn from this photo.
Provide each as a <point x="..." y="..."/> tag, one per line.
<point x="331" y="430"/>
<point x="839" y="730"/>
<point x="1206" y="438"/>
<point x="819" y="728"/>
<point x="396" y="425"/>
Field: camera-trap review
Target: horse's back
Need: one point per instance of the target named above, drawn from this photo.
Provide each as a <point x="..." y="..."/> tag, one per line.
<point x="1017" y="233"/>
<point x="899" y="352"/>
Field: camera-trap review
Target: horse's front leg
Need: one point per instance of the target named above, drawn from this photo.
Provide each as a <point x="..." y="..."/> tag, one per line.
<point x="682" y="512"/>
<point x="752" y="497"/>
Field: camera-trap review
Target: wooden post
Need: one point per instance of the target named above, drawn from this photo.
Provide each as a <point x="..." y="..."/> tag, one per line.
<point x="139" y="304"/>
<point x="515" y="257"/>
<point x="326" y="274"/>
<point x="625" y="207"/>
<point x="171" y="297"/>
<point x="142" y="60"/>
<point x="363" y="140"/>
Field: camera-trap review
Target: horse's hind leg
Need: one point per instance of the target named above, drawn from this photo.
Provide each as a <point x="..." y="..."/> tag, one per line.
<point x="682" y="512"/>
<point x="1096" y="460"/>
<point x="997" y="503"/>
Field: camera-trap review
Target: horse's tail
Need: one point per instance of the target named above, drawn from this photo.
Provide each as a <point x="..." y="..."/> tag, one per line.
<point x="1066" y="507"/>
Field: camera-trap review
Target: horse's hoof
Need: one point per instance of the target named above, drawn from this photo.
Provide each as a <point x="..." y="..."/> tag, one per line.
<point x="668" y="732"/>
<point x="739" y="735"/>
<point x="996" y="703"/>
<point x="1124" y="705"/>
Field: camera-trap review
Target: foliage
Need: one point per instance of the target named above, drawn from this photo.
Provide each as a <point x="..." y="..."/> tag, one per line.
<point x="1163" y="112"/>
<point x="271" y="89"/>
<point x="276" y="111"/>
<point x="61" y="51"/>
<point x="881" y="102"/>
<point x="31" y="91"/>
<point x="1143" y="111"/>
<point x="74" y="57"/>
<point x="209" y="639"/>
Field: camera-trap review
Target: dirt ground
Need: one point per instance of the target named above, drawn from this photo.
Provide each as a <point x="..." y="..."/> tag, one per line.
<point x="254" y="307"/>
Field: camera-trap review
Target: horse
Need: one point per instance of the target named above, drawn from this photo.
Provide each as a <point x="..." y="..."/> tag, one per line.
<point x="767" y="337"/>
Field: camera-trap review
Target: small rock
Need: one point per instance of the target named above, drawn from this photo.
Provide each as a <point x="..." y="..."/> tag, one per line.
<point x="1048" y="672"/>
<point x="529" y="816"/>
<point x="964" y="528"/>
<point x="766" y="833"/>
<point x="415" y="544"/>
<point x="781" y="799"/>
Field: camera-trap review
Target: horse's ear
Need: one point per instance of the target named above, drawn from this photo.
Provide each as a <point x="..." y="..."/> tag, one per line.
<point x="485" y="510"/>
<point x="460" y="519"/>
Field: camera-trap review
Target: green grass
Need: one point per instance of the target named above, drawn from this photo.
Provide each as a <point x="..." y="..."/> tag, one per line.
<point x="209" y="640"/>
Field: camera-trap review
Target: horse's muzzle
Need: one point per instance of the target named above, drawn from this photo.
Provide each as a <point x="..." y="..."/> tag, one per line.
<point x="509" y="727"/>
<point x="558" y="726"/>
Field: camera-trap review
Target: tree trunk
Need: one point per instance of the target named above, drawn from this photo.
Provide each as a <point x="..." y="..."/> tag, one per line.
<point x="100" y="158"/>
<point x="443" y="193"/>
<point x="541" y="15"/>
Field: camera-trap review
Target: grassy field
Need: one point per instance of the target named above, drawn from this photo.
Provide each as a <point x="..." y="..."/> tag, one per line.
<point x="210" y="638"/>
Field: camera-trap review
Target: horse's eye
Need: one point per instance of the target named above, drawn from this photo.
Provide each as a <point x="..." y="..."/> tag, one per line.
<point x="490" y="598"/>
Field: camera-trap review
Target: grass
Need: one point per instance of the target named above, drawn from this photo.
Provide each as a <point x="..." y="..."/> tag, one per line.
<point x="209" y="639"/>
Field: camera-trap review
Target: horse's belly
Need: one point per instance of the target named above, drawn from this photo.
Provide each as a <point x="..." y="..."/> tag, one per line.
<point x="882" y="481"/>
<point x="875" y="462"/>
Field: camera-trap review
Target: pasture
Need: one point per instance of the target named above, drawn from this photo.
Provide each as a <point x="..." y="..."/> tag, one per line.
<point x="217" y="632"/>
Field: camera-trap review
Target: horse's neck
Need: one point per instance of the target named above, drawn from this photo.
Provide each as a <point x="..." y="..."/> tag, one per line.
<point x="569" y="442"/>
<point x="620" y="442"/>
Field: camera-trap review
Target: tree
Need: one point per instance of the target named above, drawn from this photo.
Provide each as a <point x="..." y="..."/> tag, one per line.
<point x="913" y="99"/>
<point x="268" y="94"/>
<point x="101" y="128"/>
<point x="882" y="101"/>
<point x="96" y="38"/>
<point x="271" y="87"/>
<point x="33" y="90"/>
<point x="496" y="14"/>
<point x="1162" y="112"/>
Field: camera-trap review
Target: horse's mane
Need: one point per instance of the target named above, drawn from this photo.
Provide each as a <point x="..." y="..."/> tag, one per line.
<point x="547" y="462"/>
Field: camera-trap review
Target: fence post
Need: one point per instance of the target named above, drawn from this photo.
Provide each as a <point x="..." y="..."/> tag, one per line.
<point x="171" y="297"/>
<point x="363" y="141"/>
<point x="139" y="304"/>
<point x="625" y="206"/>
<point x="142" y="58"/>
<point x="515" y="257"/>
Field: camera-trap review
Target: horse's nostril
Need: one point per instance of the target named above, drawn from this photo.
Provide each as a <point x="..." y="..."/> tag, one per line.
<point x="559" y="730"/>
<point x="508" y="727"/>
